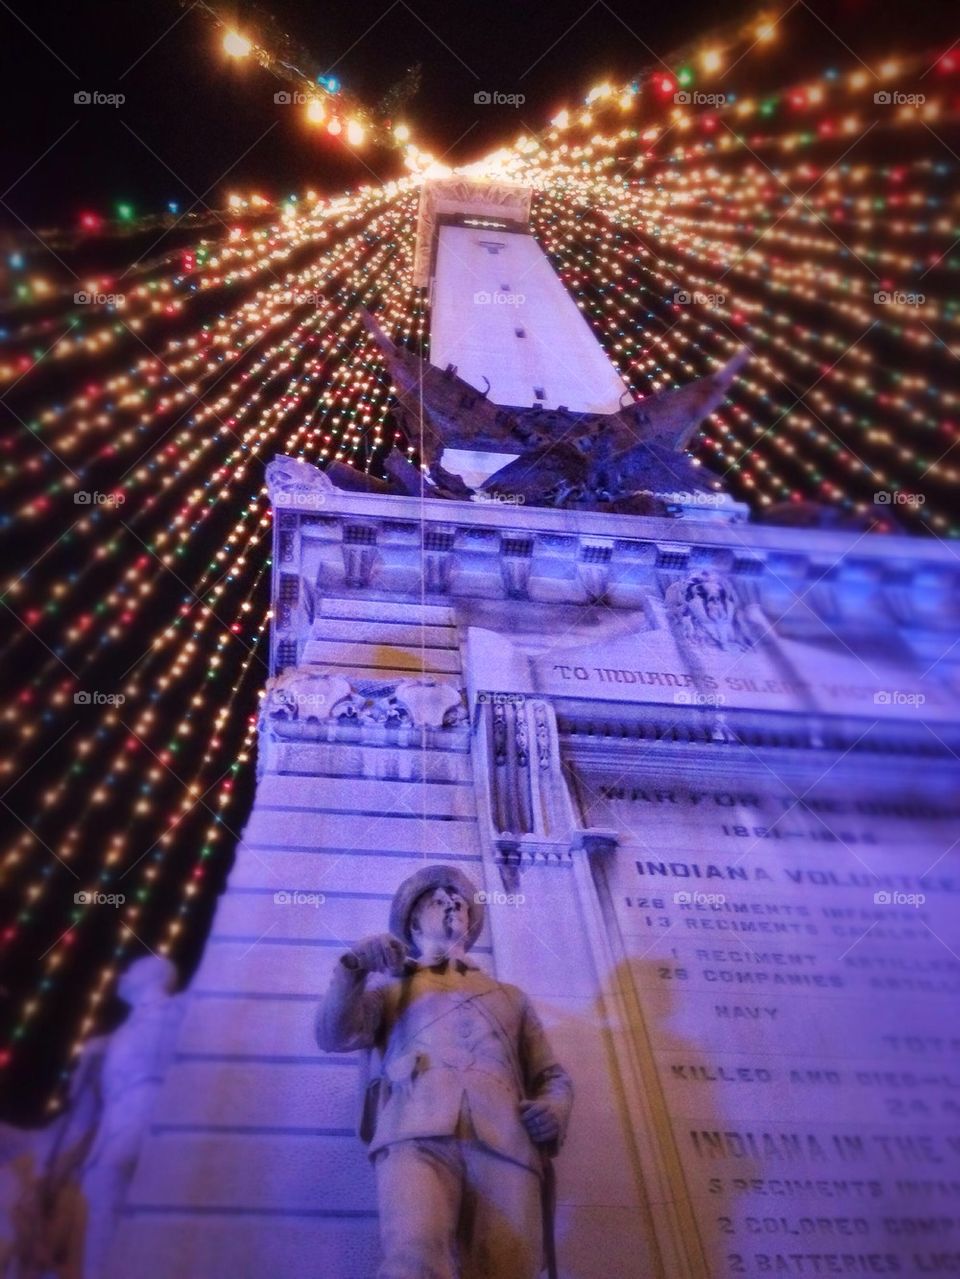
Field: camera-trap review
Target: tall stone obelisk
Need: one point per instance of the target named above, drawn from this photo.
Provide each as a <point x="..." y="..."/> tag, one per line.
<point x="704" y="770"/>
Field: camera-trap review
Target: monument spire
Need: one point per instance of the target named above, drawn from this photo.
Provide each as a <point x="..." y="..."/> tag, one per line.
<point x="485" y="423"/>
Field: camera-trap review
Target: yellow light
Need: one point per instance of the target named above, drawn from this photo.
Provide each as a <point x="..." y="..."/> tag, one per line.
<point x="355" y="132"/>
<point x="236" y="45"/>
<point x="711" y="60"/>
<point x="316" y="113"/>
<point x="766" y="31"/>
<point x="401" y="132"/>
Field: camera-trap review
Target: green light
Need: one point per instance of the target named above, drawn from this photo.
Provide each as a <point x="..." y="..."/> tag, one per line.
<point x="124" y="212"/>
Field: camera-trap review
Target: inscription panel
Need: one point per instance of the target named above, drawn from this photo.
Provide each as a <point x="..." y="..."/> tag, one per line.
<point x="795" y="955"/>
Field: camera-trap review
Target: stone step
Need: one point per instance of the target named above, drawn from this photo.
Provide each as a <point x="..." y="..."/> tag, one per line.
<point x="259" y="1172"/>
<point x="388" y="610"/>
<point x="233" y="1096"/>
<point x="412" y="833"/>
<point x="407" y="757"/>
<point x="375" y="656"/>
<point x="275" y="915"/>
<point x="342" y="870"/>
<point x="388" y="673"/>
<point x="209" y="1245"/>
<point x="376" y="631"/>
<point x="184" y="1245"/>
<point x="263" y="967"/>
<point x="365" y="795"/>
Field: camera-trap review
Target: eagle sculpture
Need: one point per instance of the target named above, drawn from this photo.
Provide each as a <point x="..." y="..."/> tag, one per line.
<point x="598" y="461"/>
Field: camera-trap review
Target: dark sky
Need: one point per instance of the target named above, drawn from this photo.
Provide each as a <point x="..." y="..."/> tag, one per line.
<point x="195" y="124"/>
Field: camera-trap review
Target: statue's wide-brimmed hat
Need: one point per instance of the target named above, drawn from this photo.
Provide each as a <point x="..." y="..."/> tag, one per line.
<point x="421" y="882"/>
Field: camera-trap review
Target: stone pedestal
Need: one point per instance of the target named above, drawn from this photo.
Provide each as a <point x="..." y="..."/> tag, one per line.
<point x="691" y="766"/>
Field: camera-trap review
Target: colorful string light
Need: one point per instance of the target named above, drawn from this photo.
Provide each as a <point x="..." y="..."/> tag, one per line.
<point x="803" y="221"/>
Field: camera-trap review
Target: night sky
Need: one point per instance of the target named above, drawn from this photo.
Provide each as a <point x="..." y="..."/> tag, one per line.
<point x="196" y="125"/>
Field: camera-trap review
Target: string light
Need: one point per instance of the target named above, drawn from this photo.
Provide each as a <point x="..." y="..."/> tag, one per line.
<point x="679" y="231"/>
<point x="236" y="45"/>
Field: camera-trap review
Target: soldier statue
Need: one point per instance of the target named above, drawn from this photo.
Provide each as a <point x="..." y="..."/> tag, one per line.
<point x="468" y="1104"/>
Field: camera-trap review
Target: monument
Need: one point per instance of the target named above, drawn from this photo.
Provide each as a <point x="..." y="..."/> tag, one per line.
<point x="704" y="771"/>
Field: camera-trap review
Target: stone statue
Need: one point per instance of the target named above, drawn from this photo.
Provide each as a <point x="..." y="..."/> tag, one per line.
<point x="119" y="1097"/>
<point x="62" y="1187"/>
<point x="43" y="1210"/>
<point x="705" y="609"/>
<point x="468" y="1105"/>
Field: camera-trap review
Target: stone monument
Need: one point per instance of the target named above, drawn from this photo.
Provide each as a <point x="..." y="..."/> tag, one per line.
<point x="703" y="770"/>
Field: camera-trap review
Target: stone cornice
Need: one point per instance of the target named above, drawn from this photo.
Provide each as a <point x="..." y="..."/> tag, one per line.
<point x="814" y="552"/>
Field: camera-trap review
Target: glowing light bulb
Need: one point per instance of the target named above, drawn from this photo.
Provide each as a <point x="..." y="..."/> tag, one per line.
<point x="401" y="132"/>
<point x="355" y="133"/>
<point x="316" y="112"/>
<point x="236" y="45"/>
